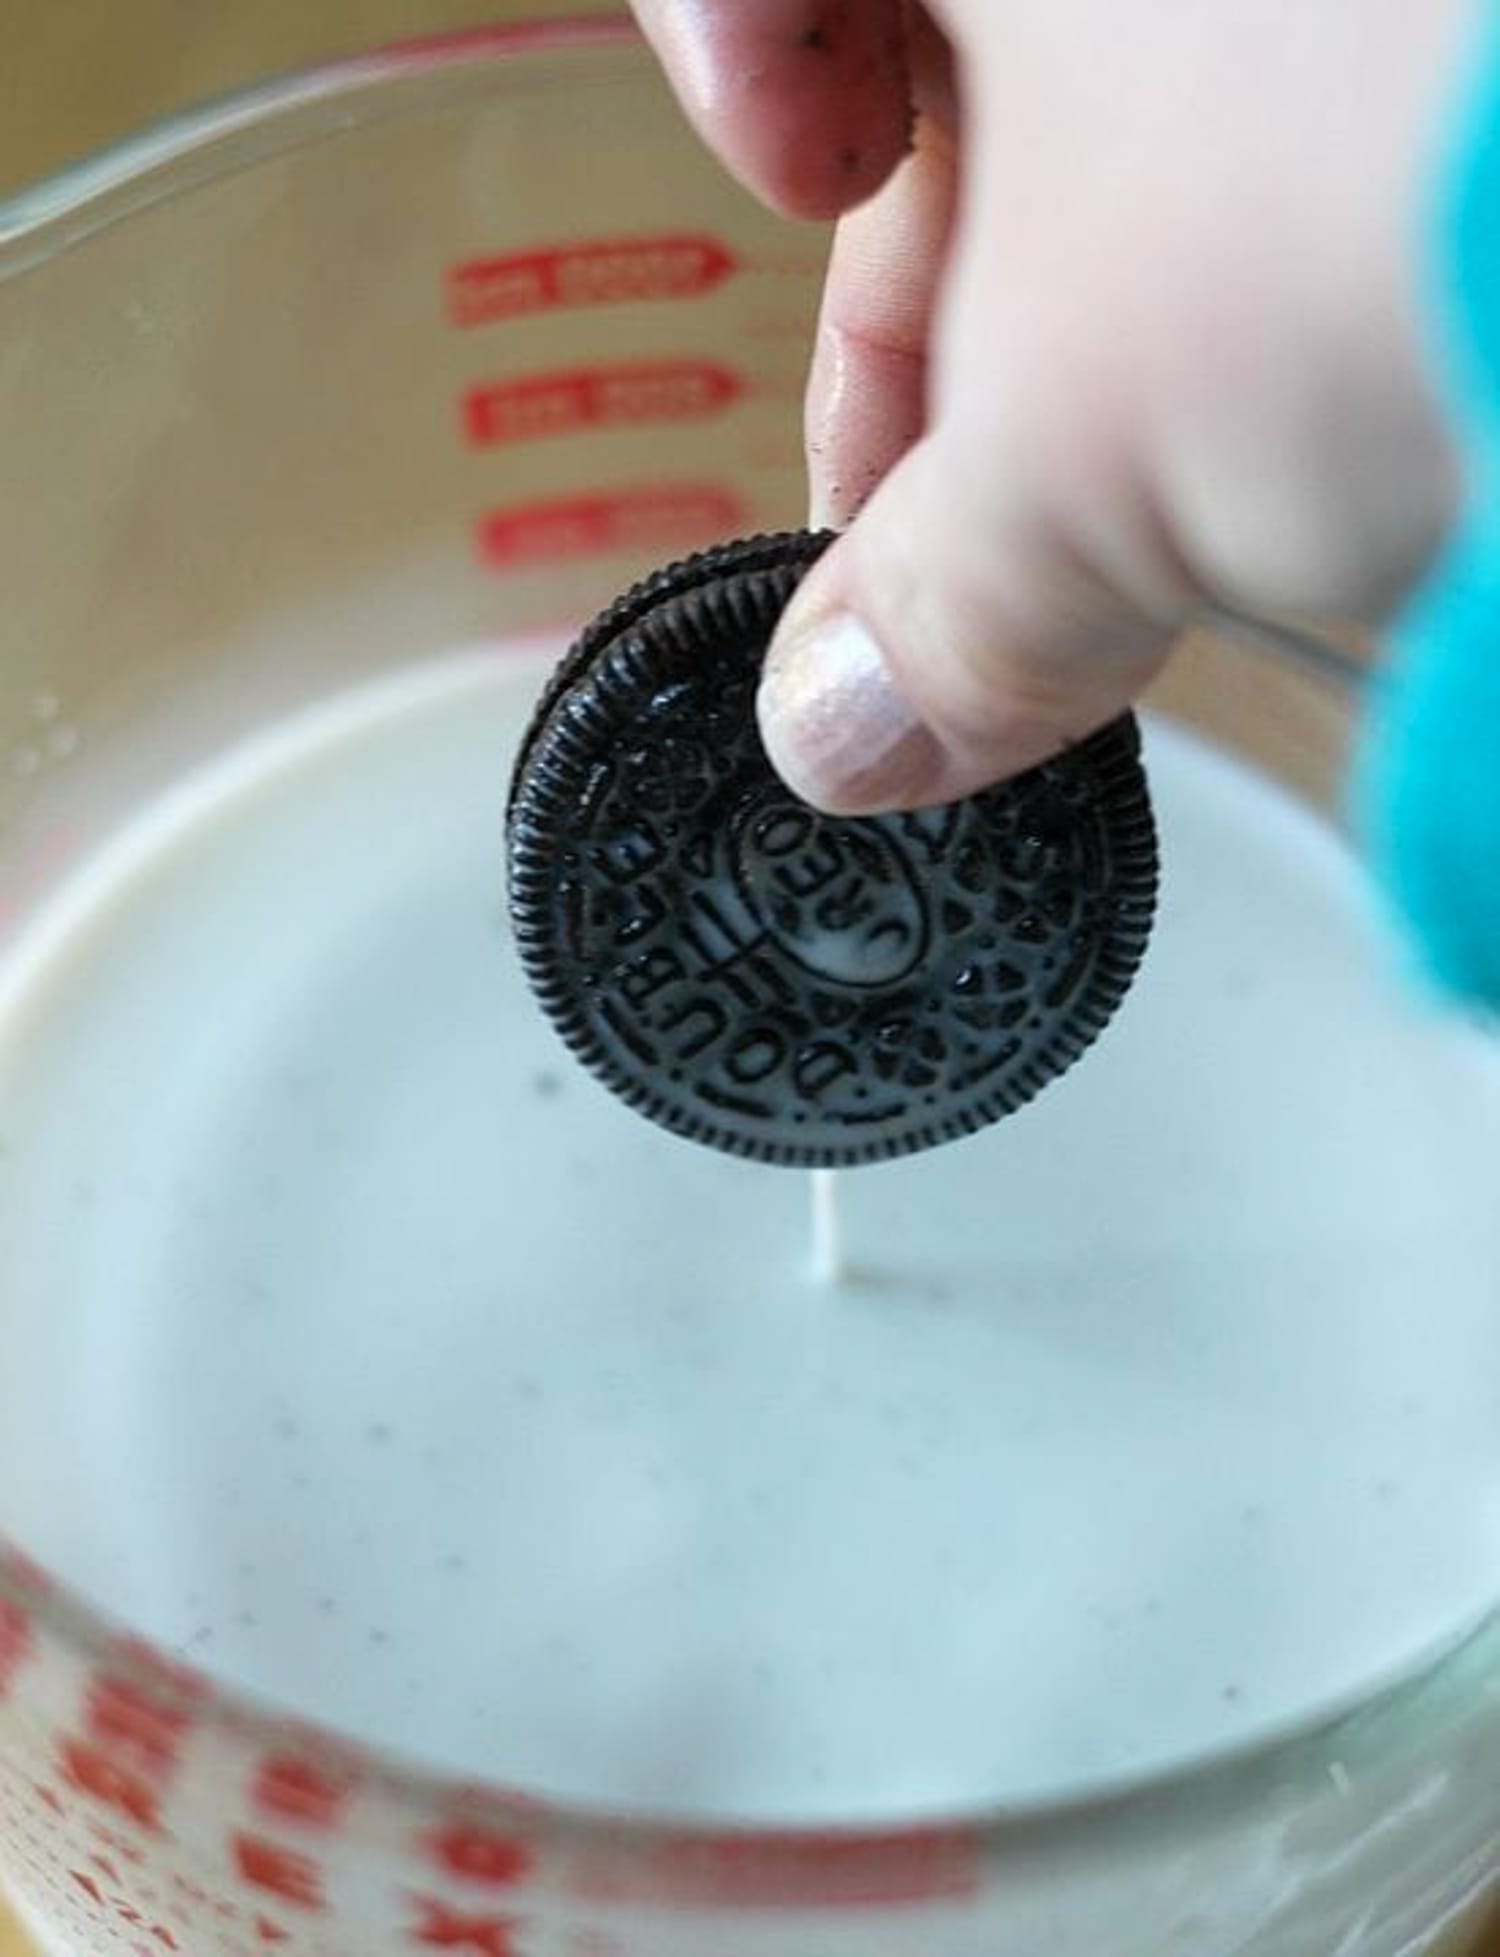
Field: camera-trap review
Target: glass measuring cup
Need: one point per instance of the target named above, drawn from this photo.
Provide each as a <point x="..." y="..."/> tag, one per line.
<point x="433" y="347"/>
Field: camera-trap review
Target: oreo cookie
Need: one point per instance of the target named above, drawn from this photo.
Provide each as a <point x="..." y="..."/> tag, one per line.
<point x="798" y="988"/>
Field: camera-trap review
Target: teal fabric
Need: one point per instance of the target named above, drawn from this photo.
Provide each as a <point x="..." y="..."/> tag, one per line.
<point x="1430" y="779"/>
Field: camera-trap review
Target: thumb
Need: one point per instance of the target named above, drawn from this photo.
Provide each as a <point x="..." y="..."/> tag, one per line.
<point x="964" y="629"/>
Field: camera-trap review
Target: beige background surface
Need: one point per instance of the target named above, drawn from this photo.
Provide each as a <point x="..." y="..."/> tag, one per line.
<point x="75" y="74"/>
<point x="12" y="1943"/>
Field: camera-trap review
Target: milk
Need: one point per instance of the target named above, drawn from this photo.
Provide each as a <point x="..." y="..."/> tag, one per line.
<point x="365" y="1352"/>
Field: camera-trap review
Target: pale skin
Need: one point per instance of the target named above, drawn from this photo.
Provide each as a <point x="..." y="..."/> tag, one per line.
<point x="1132" y="328"/>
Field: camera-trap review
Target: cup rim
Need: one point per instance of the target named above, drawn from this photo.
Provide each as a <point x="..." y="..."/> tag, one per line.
<point x="210" y="139"/>
<point x="1370" y="1727"/>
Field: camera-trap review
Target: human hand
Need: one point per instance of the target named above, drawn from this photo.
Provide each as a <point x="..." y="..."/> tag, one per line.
<point x="1132" y="333"/>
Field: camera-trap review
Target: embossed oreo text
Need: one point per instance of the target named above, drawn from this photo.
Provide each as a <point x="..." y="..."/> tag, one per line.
<point x="771" y="963"/>
<point x="783" y="984"/>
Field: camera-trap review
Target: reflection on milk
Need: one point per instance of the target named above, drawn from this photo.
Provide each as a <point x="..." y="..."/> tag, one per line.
<point x="442" y="1397"/>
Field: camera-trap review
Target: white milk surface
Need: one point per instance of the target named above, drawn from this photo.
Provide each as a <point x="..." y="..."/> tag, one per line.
<point x="365" y="1351"/>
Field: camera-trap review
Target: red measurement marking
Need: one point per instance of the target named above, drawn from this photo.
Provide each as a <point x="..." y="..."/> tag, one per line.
<point x="481" y="1854"/>
<point x="123" y="1910"/>
<point x="166" y="1674"/>
<point x="291" y="1788"/>
<point x="592" y="526"/>
<point x="17" y="1568"/>
<point x="629" y="393"/>
<point x="193" y="1892"/>
<point x="280" y="1871"/>
<point x="92" y="1772"/>
<point x="270" y="1932"/>
<point x="120" y="1844"/>
<point x="127" y="1721"/>
<point x="15" y="1644"/>
<point x="443" y="1928"/>
<point x="138" y="1921"/>
<point x="796" y="1871"/>
<point x="602" y="272"/>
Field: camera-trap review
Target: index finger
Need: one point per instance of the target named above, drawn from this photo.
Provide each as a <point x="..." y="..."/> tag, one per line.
<point x="808" y="102"/>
